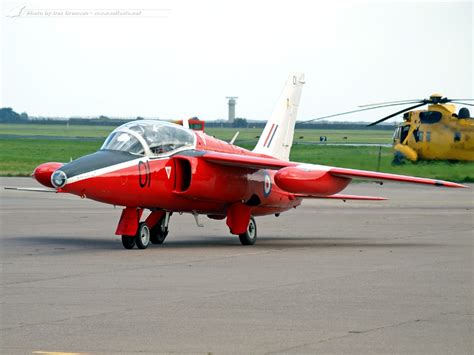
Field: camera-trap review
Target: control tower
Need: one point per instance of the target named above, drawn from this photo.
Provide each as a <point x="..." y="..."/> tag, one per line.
<point x="231" y="104"/>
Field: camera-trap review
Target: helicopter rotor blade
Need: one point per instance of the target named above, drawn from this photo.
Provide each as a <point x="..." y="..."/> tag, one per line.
<point x="398" y="102"/>
<point x="396" y="113"/>
<point x="462" y="103"/>
<point x="392" y="104"/>
<point x="353" y="111"/>
<point x="338" y="114"/>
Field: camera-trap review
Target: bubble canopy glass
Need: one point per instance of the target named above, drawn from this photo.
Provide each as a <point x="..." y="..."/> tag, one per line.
<point x="150" y="138"/>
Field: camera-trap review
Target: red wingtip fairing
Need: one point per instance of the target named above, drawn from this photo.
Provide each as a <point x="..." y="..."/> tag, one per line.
<point x="43" y="173"/>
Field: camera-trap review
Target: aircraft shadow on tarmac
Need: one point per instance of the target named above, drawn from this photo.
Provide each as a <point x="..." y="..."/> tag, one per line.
<point x="280" y="243"/>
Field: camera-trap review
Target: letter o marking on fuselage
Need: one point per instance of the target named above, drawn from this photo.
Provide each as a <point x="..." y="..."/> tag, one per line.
<point x="267" y="184"/>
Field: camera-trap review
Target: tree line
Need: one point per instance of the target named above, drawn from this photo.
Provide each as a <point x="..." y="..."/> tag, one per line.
<point x="8" y="115"/>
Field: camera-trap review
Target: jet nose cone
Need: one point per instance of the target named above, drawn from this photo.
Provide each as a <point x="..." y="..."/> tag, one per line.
<point x="43" y="173"/>
<point x="58" y="179"/>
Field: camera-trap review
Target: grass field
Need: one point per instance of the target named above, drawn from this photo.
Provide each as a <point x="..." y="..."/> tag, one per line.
<point x="55" y="130"/>
<point x="247" y="135"/>
<point x="19" y="156"/>
<point x="310" y="135"/>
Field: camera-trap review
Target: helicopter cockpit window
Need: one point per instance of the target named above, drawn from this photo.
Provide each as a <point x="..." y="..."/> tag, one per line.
<point x="416" y="135"/>
<point x="420" y="136"/>
<point x="430" y="117"/>
<point x="150" y="137"/>
<point x="396" y="134"/>
<point x="404" y="133"/>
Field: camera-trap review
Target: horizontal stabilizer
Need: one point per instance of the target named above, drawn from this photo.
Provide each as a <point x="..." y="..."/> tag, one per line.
<point x="30" y="189"/>
<point x="345" y="197"/>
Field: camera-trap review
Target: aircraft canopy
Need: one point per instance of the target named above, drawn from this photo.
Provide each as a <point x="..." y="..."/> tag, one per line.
<point x="150" y="137"/>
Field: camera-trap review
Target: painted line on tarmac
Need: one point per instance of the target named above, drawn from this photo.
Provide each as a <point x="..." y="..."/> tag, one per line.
<point x="56" y="353"/>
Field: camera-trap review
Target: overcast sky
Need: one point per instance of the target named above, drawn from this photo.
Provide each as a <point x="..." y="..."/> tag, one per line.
<point x="181" y="58"/>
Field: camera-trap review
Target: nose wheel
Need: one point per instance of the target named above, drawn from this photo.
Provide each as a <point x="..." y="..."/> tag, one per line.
<point x="141" y="239"/>
<point x="128" y="242"/>
<point x="160" y="231"/>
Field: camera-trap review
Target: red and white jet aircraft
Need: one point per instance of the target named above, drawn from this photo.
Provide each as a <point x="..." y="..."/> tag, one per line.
<point x="165" y="168"/>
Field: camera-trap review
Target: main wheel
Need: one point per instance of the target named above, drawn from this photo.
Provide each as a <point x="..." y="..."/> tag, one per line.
<point x="143" y="236"/>
<point x="398" y="158"/>
<point x="128" y="241"/>
<point x="250" y="236"/>
<point x="159" y="232"/>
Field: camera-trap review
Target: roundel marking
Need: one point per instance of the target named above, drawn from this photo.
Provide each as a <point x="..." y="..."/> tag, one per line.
<point x="267" y="184"/>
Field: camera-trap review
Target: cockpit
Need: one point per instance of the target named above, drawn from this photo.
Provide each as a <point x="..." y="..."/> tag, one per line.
<point x="150" y="138"/>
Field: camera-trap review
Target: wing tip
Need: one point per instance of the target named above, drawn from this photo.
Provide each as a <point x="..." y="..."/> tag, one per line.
<point x="450" y="184"/>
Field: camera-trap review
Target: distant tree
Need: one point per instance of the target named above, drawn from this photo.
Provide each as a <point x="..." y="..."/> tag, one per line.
<point x="8" y="115"/>
<point x="139" y="118"/>
<point x="24" y="116"/>
<point x="239" y="123"/>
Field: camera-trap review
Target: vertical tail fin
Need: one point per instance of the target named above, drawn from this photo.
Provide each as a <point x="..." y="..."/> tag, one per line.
<point x="277" y="136"/>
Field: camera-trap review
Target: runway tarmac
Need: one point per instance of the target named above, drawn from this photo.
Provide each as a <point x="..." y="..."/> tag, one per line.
<point x="329" y="277"/>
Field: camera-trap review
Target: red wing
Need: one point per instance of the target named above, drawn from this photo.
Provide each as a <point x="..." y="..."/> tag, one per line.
<point x="255" y="162"/>
<point x="345" y="197"/>
<point x="373" y="175"/>
<point x="245" y="161"/>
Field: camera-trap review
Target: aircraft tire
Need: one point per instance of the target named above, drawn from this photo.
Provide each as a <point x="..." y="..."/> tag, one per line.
<point x="398" y="159"/>
<point x="250" y="236"/>
<point x="128" y="241"/>
<point x="142" y="238"/>
<point x="159" y="232"/>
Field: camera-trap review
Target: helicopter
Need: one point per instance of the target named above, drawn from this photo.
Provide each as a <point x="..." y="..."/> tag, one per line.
<point x="436" y="133"/>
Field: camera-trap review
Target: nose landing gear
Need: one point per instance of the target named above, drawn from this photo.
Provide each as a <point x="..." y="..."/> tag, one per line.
<point x="154" y="230"/>
<point x="160" y="231"/>
<point x="141" y="239"/>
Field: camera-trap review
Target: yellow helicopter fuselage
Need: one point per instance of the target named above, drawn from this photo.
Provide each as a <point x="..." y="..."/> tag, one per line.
<point x="435" y="134"/>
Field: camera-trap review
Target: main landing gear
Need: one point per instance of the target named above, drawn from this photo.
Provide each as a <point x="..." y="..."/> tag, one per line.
<point x="250" y="236"/>
<point x="241" y="223"/>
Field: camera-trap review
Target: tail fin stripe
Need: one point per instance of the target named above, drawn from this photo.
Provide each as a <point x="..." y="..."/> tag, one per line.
<point x="273" y="135"/>
<point x="269" y="134"/>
